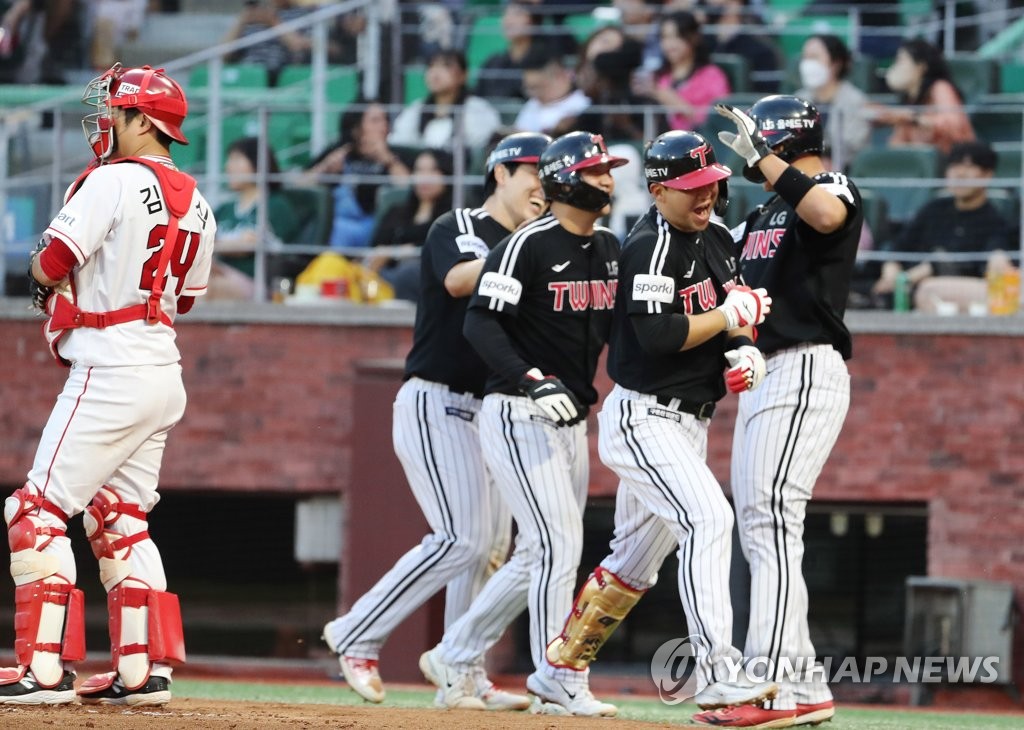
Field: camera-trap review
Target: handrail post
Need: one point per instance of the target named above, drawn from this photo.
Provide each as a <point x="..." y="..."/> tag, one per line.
<point x="262" y="218"/>
<point x="318" y="131"/>
<point x="5" y="169"/>
<point x="214" y="127"/>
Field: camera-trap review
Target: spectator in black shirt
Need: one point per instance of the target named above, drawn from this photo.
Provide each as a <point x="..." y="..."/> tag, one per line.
<point x="732" y="19"/>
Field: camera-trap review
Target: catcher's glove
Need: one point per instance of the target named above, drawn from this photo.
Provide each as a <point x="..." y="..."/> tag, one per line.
<point x="37" y="291"/>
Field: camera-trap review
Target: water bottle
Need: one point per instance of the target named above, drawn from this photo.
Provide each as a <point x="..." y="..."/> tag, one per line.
<point x="901" y="293"/>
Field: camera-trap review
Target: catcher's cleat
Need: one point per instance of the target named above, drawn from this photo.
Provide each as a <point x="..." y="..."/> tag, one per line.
<point x="746" y="716"/>
<point x="729" y="694"/>
<point x="815" y="714"/>
<point x="556" y="698"/>
<point x="28" y="691"/>
<point x="363" y="676"/>
<point x="107" y="689"/>
<point x="494" y="698"/>
<point x="458" y="690"/>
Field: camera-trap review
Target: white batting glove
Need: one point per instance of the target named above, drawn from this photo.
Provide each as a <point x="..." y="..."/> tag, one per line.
<point x="747" y="369"/>
<point x="747" y="142"/>
<point x="550" y="393"/>
<point x="745" y="306"/>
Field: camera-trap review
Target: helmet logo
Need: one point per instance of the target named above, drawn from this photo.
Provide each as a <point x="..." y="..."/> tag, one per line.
<point x="125" y="88"/>
<point x="657" y="172"/>
<point x="772" y="124"/>
<point x="499" y="155"/>
<point x="700" y="153"/>
<point x="556" y="165"/>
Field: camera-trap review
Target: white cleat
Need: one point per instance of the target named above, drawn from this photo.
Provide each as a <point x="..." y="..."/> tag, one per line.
<point x="730" y="694"/>
<point x="494" y="698"/>
<point x="458" y="690"/>
<point x="555" y="698"/>
<point x="363" y="676"/>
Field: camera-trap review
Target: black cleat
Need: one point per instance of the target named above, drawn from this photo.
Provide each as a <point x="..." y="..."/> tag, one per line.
<point x="28" y="691"/>
<point x="107" y="689"/>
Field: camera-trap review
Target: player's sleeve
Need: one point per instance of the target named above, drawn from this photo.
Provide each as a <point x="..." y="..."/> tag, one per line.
<point x="85" y="219"/>
<point x="649" y="293"/>
<point x="452" y="240"/>
<point x="198" y="275"/>
<point x="504" y="278"/>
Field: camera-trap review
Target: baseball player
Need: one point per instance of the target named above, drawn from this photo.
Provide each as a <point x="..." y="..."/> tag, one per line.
<point x="801" y="244"/>
<point x="682" y="318"/>
<point x="436" y="435"/>
<point x="130" y="250"/>
<point x="540" y="318"/>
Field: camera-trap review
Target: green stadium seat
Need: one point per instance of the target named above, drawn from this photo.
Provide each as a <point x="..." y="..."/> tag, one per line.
<point x="388" y="196"/>
<point x="234" y="76"/>
<point x="342" y="82"/>
<point x="793" y="34"/>
<point x="485" y="40"/>
<point x="312" y="205"/>
<point x="1009" y="164"/>
<point x="1011" y="77"/>
<point x="582" y="25"/>
<point x="736" y="68"/>
<point x="905" y="164"/>
<point x="972" y="75"/>
<point x="876" y="215"/>
<point x="994" y="124"/>
<point x="414" y="83"/>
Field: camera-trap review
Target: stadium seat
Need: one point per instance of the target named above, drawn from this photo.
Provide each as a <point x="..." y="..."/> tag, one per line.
<point x="234" y="76"/>
<point x="876" y="215"/>
<point x="312" y="205"/>
<point x="583" y="24"/>
<point x="998" y="124"/>
<point x="1009" y="164"/>
<point x="485" y="39"/>
<point x="796" y="30"/>
<point x="342" y="82"/>
<point x="1011" y="77"/>
<point x="972" y="75"/>
<point x="910" y="165"/>
<point x="388" y="196"/>
<point x="415" y="83"/>
<point x="736" y="68"/>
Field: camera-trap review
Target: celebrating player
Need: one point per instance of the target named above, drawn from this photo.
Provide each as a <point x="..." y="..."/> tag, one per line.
<point x="436" y="435"/>
<point x="801" y="245"/>
<point x="130" y="249"/>
<point x="681" y="316"/>
<point x="540" y="318"/>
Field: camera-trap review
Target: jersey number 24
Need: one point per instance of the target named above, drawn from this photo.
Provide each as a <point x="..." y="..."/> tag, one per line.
<point x="184" y="253"/>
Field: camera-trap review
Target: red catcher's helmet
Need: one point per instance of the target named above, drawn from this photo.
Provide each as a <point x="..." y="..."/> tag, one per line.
<point x="149" y="90"/>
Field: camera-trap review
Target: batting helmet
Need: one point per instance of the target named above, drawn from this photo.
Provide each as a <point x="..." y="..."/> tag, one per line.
<point x="560" y="166"/>
<point x="149" y="90"/>
<point x="790" y="126"/>
<point x="685" y="161"/>
<point x="518" y="147"/>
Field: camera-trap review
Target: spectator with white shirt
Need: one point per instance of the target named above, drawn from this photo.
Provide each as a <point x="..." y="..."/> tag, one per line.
<point x="551" y="97"/>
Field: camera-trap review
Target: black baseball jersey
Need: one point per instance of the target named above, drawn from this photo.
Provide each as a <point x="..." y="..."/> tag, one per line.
<point x="553" y="293"/>
<point x="668" y="273"/>
<point x="807" y="274"/>
<point x="440" y="352"/>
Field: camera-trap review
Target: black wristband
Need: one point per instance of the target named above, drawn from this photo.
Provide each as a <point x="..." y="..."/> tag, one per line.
<point x="735" y="343"/>
<point x="793" y="185"/>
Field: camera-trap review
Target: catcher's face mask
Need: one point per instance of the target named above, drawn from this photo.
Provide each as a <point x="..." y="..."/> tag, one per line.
<point x="98" y="127"/>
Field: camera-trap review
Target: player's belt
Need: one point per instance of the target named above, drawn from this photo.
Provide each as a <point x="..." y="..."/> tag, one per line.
<point x="702" y="411"/>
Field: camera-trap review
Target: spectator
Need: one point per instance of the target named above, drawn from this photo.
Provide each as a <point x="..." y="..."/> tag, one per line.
<point x="639" y="20"/>
<point x="256" y="16"/>
<point x="35" y="38"/>
<point x="964" y="221"/>
<point x="549" y="91"/>
<point x="607" y="61"/>
<point x="237" y="230"/>
<point x="113" y="22"/>
<point x="921" y="78"/>
<point x="432" y="122"/>
<point x="824" y="65"/>
<point x="363" y="155"/>
<point x="501" y="74"/>
<point x="732" y="19"/>
<point x="405" y="224"/>
<point x="687" y="82"/>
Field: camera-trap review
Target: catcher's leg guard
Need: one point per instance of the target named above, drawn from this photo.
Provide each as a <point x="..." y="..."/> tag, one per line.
<point x="145" y="624"/>
<point x="49" y="626"/>
<point x="599" y="608"/>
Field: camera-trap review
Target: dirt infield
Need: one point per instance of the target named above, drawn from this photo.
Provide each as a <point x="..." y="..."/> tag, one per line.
<point x="226" y="715"/>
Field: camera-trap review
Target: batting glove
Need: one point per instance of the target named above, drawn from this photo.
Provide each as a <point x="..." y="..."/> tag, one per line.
<point x="550" y="393"/>
<point x="747" y="142"/>
<point x="745" y="306"/>
<point x="747" y="369"/>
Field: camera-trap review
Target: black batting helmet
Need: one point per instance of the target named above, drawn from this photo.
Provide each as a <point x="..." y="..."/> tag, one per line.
<point x="560" y="166"/>
<point x="518" y="147"/>
<point x="790" y="126"/>
<point x="685" y="161"/>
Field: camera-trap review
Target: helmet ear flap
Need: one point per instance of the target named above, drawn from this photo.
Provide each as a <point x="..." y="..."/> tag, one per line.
<point x="723" y="197"/>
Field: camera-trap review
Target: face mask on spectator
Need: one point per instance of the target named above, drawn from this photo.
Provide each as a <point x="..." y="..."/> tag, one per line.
<point x="813" y="73"/>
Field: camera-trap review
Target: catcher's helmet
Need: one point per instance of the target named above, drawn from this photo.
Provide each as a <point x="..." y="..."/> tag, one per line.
<point x="518" y="147"/>
<point x="560" y="166"/>
<point x="790" y="126"/>
<point x="685" y="161"/>
<point x="149" y="90"/>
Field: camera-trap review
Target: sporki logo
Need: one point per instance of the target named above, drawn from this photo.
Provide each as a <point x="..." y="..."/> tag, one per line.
<point x="674" y="668"/>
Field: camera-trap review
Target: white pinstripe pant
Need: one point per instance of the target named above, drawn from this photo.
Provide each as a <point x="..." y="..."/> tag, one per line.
<point x="542" y="472"/>
<point x="436" y="437"/>
<point x="669" y="498"/>
<point x="784" y="433"/>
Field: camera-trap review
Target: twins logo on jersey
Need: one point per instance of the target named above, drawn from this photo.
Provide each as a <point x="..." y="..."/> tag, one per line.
<point x="593" y="294"/>
<point x="764" y="243"/>
<point x="705" y="293"/>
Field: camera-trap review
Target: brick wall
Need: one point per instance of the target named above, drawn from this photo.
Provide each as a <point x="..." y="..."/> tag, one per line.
<point x="934" y="418"/>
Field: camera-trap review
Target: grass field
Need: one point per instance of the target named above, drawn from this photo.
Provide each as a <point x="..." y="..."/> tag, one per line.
<point x="630" y="708"/>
